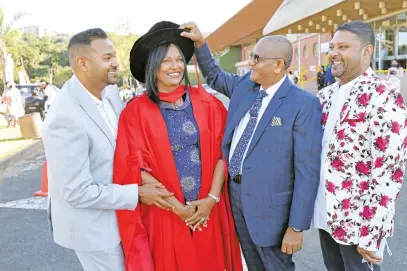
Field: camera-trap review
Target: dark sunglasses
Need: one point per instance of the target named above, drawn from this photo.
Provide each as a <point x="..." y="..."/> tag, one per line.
<point x="256" y="58"/>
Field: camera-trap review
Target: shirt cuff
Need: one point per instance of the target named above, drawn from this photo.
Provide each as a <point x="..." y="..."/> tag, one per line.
<point x="131" y="196"/>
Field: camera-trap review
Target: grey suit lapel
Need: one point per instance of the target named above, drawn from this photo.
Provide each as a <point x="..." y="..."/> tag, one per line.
<point x="90" y="108"/>
<point x="269" y="113"/>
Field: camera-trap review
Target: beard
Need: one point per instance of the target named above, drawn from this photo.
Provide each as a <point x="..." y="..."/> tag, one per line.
<point x="112" y="78"/>
<point x="338" y="70"/>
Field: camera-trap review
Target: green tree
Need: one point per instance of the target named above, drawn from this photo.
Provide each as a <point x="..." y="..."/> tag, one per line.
<point x="123" y="45"/>
<point x="38" y="56"/>
<point x="62" y="74"/>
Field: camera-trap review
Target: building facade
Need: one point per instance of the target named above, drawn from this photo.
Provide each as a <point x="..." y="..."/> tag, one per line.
<point x="310" y="24"/>
<point x="391" y="40"/>
<point x="36" y="31"/>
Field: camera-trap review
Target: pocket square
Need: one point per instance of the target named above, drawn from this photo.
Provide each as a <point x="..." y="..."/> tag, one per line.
<point x="276" y="121"/>
<point x="352" y="120"/>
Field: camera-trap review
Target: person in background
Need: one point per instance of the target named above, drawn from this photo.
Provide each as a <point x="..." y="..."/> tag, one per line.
<point x="321" y="78"/>
<point x="395" y="66"/>
<point x="50" y="91"/>
<point x="14" y="106"/>
<point x="329" y="78"/>
<point x="395" y="74"/>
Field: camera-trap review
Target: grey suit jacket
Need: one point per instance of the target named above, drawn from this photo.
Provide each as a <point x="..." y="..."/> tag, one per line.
<point x="79" y="149"/>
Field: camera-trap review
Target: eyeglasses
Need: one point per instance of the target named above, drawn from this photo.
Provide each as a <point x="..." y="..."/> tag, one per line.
<point x="256" y="58"/>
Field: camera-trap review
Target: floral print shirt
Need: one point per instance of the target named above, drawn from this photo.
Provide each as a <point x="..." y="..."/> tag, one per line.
<point x="365" y="161"/>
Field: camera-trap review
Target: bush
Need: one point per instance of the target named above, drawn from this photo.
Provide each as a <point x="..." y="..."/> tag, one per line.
<point x="1" y="87"/>
<point x="62" y="74"/>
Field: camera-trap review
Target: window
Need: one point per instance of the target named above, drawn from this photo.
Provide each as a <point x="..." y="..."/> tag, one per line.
<point x="306" y="51"/>
<point x="388" y="42"/>
<point x="401" y="18"/>
<point x="385" y="37"/>
<point x="316" y="49"/>
<point x="402" y="35"/>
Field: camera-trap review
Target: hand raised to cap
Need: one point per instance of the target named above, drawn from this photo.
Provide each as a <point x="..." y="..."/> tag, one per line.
<point x="193" y="33"/>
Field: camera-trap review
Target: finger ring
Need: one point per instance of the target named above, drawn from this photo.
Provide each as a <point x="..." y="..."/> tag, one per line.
<point x="203" y="218"/>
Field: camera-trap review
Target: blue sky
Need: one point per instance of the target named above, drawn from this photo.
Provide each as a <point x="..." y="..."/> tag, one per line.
<point x="75" y="15"/>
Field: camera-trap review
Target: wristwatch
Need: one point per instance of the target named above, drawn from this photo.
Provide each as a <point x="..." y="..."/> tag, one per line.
<point x="296" y="230"/>
<point x="217" y="199"/>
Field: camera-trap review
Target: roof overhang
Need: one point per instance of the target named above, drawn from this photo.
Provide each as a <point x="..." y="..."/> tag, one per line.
<point x="245" y="26"/>
<point x="315" y="16"/>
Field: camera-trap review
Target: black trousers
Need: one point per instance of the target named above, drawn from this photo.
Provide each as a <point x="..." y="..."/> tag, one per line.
<point x="339" y="257"/>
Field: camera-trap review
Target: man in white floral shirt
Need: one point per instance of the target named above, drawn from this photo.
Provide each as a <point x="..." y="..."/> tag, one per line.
<point x="363" y="155"/>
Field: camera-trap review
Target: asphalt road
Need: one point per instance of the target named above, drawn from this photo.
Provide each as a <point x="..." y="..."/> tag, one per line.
<point x="26" y="245"/>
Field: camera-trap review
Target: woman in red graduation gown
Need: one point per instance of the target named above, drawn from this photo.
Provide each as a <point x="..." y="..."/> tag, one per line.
<point x="172" y="134"/>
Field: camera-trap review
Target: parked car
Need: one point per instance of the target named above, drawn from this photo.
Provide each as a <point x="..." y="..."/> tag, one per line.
<point x="27" y="89"/>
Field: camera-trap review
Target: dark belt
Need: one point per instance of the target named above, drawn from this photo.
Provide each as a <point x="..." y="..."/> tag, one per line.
<point x="237" y="179"/>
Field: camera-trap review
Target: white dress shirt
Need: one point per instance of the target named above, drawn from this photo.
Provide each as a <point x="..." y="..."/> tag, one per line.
<point x="338" y="100"/>
<point x="106" y="110"/>
<point x="245" y="120"/>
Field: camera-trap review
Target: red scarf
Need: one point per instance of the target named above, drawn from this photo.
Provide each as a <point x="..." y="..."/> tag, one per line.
<point x="155" y="239"/>
<point x="173" y="96"/>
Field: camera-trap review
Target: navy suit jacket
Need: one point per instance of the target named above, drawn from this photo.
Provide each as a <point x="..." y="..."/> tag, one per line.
<point x="281" y="170"/>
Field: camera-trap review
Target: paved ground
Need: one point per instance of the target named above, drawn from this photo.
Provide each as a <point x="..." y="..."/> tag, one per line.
<point x="26" y="245"/>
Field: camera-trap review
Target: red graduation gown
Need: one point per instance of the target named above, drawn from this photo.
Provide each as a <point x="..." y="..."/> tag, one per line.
<point x="155" y="239"/>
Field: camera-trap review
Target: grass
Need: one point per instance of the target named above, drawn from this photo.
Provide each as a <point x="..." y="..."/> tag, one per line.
<point x="11" y="140"/>
<point x="9" y="148"/>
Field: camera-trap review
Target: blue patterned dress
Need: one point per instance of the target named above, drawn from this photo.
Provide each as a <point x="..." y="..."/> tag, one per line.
<point x="184" y="138"/>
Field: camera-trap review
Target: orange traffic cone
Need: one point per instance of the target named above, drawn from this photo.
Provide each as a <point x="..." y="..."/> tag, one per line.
<point x="44" y="182"/>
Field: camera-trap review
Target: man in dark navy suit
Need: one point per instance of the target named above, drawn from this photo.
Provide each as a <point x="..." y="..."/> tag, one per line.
<point x="273" y="145"/>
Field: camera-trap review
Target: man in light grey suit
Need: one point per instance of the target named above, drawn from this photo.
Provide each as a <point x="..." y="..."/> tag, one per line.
<point x="79" y="138"/>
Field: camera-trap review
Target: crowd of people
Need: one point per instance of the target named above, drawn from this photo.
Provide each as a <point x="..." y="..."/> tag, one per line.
<point x="16" y="105"/>
<point x="172" y="181"/>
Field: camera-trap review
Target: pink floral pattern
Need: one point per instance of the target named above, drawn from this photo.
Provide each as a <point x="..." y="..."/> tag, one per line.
<point x="364" y="166"/>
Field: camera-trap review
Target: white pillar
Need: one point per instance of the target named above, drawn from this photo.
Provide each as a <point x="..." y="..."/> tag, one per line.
<point x="380" y="49"/>
<point x="299" y="57"/>
<point x="319" y="50"/>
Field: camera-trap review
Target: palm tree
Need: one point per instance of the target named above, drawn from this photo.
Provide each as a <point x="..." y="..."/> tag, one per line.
<point x="5" y="31"/>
